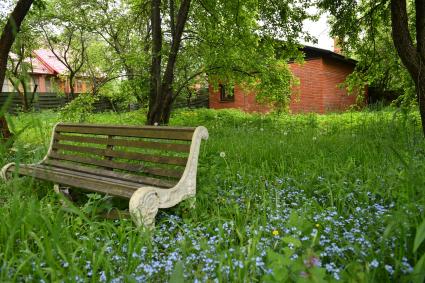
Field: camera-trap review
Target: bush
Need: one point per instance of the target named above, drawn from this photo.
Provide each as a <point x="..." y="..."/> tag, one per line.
<point x="78" y="109"/>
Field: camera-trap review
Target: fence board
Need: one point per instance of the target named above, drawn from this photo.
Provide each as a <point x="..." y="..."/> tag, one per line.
<point x="51" y="101"/>
<point x="46" y="101"/>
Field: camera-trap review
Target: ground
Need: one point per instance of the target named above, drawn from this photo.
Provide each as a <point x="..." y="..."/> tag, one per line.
<point x="289" y="198"/>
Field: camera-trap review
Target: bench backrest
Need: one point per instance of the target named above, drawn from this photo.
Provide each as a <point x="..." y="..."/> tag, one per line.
<point x="147" y="151"/>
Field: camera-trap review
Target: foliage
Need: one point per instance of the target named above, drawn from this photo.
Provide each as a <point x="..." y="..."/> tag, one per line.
<point x="248" y="43"/>
<point x="79" y="109"/>
<point x="20" y="62"/>
<point x="366" y="19"/>
<point x="120" y="31"/>
<point x="232" y="41"/>
<point x="276" y="87"/>
<point x="66" y="37"/>
<point x="337" y="196"/>
<point x="368" y="39"/>
<point x="118" y="94"/>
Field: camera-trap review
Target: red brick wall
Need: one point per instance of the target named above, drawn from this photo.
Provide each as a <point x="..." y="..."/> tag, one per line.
<point x="336" y="98"/>
<point x="243" y="100"/>
<point x="307" y="96"/>
<point x="318" y="90"/>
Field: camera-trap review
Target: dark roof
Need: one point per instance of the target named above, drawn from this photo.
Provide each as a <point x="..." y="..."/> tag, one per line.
<point x="314" y="52"/>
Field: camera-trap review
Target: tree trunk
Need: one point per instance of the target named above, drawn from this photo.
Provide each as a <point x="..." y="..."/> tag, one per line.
<point x="161" y="95"/>
<point x="4" y="128"/>
<point x="71" y="85"/>
<point x="155" y="72"/>
<point x="412" y="57"/>
<point x="24" y="94"/>
<point x="420" y="92"/>
<point x="6" y="40"/>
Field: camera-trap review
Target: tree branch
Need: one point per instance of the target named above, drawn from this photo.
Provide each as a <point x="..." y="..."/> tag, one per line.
<point x="172" y="15"/>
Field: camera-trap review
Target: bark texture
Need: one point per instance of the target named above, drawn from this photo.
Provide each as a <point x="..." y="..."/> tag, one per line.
<point x="412" y="57"/>
<point x="6" y="40"/>
<point x="161" y="91"/>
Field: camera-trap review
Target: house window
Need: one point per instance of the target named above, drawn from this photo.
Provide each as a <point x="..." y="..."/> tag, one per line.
<point x="79" y="87"/>
<point x="226" y="93"/>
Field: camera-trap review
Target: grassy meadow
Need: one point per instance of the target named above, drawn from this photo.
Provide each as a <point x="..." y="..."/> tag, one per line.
<point x="294" y="198"/>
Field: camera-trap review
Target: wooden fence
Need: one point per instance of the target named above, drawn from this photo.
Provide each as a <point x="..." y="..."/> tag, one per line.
<point x="199" y="100"/>
<point x="45" y="101"/>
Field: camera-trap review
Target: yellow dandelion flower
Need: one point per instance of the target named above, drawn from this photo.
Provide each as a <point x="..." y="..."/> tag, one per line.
<point x="275" y="233"/>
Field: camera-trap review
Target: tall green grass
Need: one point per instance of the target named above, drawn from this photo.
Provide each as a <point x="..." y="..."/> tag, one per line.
<point x="289" y="198"/>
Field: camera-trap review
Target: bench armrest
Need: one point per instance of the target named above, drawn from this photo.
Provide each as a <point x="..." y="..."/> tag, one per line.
<point x="186" y="187"/>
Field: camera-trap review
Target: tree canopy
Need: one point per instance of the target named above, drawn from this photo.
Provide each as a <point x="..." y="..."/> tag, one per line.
<point x="367" y="22"/>
<point x="157" y="48"/>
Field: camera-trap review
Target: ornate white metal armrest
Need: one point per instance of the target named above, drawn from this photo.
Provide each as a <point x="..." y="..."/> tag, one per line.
<point x="3" y="173"/>
<point x="145" y="202"/>
<point x="4" y="170"/>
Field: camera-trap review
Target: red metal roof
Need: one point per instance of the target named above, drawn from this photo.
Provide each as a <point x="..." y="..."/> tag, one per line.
<point x="49" y="60"/>
<point x="40" y="68"/>
<point x="37" y="66"/>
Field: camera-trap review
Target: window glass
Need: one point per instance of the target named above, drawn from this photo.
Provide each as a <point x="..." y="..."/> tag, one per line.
<point x="226" y="93"/>
<point x="79" y="86"/>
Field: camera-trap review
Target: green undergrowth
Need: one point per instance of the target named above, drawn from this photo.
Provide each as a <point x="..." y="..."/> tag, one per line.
<point x="305" y="198"/>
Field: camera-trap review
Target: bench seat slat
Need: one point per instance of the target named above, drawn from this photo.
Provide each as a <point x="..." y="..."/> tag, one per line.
<point x="128" y="131"/>
<point x="119" y="175"/>
<point x="122" y="142"/>
<point x="123" y="154"/>
<point x="174" y="173"/>
<point x="111" y="180"/>
<point x="111" y="186"/>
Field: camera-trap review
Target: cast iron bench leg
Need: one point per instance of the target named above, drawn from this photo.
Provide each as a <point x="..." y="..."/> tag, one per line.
<point x="143" y="206"/>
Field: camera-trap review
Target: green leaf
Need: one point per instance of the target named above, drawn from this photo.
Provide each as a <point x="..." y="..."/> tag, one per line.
<point x="419" y="271"/>
<point x="177" y="276"/>
<point x="420" y="236"/>
<point x="291" y="240"/>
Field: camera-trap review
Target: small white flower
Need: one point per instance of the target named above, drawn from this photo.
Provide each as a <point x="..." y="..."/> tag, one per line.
<point x="389" y="268"/>
<point x="222" y="154"/>
<point x="374" y="263"/>
<point x="155" y="124"/>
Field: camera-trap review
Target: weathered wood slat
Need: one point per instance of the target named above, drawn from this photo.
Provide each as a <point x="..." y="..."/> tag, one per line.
<point x="129" y="131"/>
<point x="111" y="180"/>
<point x="174" y="173"/>
<point x="97" y="162"/>
<point x="123" y="154"/>
<point x="143" y="180"/>
<point x="96" y="185"/>
<point x="122" y="142"/>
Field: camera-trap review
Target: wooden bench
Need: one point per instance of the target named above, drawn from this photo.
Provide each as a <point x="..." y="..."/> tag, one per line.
<point x="152" y="166"/>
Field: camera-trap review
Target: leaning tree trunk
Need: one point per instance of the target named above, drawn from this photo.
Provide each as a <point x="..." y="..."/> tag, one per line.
<point x="412" y="57"/>
<point x="6" y="40"/>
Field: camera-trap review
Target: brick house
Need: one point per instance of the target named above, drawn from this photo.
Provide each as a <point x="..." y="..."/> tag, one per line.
<point x="319" y="91"/>
<point x="49" y="74"/>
